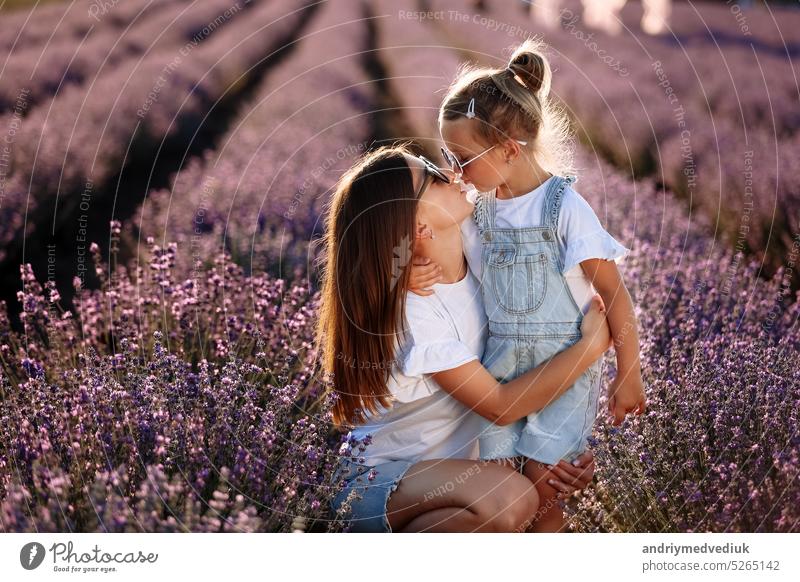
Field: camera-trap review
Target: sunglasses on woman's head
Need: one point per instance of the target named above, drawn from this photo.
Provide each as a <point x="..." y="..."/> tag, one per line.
<point x="431" y="172"/>
<point x="458" y="166"/>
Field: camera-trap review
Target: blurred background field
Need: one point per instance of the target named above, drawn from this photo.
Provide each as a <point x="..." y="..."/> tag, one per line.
<point x="164" y="169"/>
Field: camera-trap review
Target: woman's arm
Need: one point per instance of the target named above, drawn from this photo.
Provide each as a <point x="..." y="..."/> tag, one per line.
<point x="626" y="393"/>
<point x="503" y="404"/>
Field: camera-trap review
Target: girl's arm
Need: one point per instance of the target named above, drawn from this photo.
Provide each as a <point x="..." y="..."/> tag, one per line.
<point x="503" y="404"/>
<point x="424" y="273"/>
<point x="626" y="393"/>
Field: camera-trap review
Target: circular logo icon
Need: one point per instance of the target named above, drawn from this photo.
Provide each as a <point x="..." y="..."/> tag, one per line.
<point x="31" y="555"/>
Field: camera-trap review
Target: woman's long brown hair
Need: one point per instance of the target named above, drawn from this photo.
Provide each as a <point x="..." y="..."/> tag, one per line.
<point x="368" y="244"/>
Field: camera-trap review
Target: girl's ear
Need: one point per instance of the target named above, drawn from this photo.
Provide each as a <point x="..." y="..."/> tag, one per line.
<point x="511" y="151"/>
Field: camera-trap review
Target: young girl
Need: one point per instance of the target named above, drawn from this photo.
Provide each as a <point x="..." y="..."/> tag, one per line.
<point x="538" y="249"/>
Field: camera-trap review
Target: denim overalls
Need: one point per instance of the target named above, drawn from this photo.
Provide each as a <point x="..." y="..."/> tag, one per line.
<point x="532" y="316"/>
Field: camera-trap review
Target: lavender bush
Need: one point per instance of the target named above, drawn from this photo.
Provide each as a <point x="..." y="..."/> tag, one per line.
<point x="719" y="447"/>
<point x="164" y="405"/>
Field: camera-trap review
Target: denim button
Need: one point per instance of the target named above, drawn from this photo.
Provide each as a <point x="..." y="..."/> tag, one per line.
<point x="487" y="236"/>
<point x="546" y="235"/>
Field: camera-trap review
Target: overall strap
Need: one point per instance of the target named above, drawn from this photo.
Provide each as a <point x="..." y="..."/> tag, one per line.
<point x="551" y="209"/>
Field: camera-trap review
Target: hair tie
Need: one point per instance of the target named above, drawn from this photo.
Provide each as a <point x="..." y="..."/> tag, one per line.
<point x="471" y="108"/>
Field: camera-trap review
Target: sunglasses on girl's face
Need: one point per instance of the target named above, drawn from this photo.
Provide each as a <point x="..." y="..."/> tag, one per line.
<point x="458" y="166"/>
<point x="431" y="172"/>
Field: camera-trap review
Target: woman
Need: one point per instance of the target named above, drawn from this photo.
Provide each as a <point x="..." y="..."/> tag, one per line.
<point x="406" y="368"/>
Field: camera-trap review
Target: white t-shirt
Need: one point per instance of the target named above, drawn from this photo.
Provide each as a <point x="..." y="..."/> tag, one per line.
<point x="580" y="235"/>
<point x="446" y="330"/>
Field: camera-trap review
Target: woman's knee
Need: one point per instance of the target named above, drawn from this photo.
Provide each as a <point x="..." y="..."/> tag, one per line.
<point x="512" y="506"/>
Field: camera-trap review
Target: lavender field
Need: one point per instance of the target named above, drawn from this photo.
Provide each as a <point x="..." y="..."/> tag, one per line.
<point x="164" y="169"/>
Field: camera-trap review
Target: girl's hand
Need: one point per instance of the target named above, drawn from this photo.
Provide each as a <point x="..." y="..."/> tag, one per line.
<point x="594" y="327"/>
<point x="424" y="273"/>
<point x="573" y="477"/>
<point x="626" y="396"/>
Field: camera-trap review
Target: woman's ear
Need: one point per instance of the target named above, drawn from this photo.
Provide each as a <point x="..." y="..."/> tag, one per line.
<point x="423" y="231"/>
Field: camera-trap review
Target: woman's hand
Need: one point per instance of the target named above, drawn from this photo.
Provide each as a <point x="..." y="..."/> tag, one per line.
<point x="424" y="273"/>
<point x="573" y="477"/>
<point x="595" y="332"/>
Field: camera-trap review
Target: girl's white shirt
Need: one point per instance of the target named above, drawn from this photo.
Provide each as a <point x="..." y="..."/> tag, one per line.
<point x="580" y="235"/>
<point x="445" y="330"/>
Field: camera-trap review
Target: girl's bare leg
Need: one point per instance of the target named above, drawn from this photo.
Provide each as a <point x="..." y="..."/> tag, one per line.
<point x="549" y="517"/>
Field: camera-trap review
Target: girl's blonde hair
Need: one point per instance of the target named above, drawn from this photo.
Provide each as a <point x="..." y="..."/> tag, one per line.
<point x="514" y="103"/>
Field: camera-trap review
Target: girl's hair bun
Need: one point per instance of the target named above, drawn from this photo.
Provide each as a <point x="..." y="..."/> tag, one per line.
<point x="518" y="105"/>
<point x="532" y="67"/>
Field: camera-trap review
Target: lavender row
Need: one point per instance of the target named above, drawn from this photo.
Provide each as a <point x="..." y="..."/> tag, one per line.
<point x="87" y="135"/>
<point x="769" y="27"/>
<point x="42" y="71"/>
<point x="70" y="21"/>
<point x="259" y="196"/>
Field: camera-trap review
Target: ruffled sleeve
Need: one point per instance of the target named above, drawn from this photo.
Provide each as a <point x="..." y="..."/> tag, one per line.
<point x="582" y="234"/>
<point x="432" y="346"/>
<point x="432" y="357"/>
<point x="596" y="245"/>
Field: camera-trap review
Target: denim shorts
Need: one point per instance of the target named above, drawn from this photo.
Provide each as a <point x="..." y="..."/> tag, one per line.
<point x="366" y="491"/>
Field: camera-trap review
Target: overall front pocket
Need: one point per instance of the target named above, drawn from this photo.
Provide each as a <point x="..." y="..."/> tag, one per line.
<point x="518" y="282"/>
